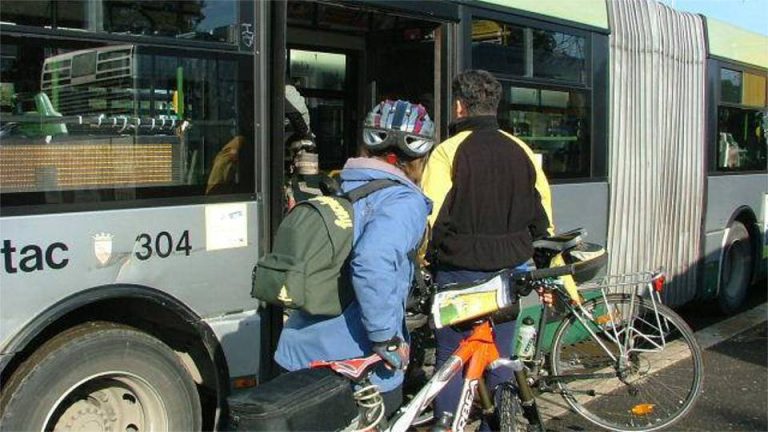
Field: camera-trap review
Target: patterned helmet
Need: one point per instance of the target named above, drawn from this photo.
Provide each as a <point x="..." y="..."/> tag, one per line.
<point x="399" y="124"/>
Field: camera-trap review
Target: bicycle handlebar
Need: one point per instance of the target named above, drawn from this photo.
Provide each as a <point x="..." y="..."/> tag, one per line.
<point x="567" y="269"/>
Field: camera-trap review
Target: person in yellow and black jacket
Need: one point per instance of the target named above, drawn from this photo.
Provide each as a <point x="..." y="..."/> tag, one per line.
<point x="490" y="200"/>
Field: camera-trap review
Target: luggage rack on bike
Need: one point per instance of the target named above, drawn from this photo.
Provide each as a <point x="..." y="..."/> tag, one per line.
<point x="644" y="284"/>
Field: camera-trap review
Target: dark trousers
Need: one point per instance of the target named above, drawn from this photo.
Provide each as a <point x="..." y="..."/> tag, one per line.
<point x="392" y="401"/>
<point x="448" y="340"/>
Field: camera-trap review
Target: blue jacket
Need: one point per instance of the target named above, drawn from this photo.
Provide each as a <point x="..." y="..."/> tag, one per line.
<point x="388" y="225"/>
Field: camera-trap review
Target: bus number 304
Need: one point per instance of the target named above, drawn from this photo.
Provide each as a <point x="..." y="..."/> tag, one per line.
<point x="163" y="245"/>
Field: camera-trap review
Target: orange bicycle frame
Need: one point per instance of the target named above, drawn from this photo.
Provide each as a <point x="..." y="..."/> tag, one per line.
<point x="477" y="352"/>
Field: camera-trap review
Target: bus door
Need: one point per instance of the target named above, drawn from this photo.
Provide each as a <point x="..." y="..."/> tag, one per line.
<point x="344" y="59"/>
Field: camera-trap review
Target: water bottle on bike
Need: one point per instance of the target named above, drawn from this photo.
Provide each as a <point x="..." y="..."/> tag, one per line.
<point x="526" y="340"/>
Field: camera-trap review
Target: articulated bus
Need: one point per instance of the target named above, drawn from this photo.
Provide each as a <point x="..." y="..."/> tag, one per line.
<point x="142" y="164"/>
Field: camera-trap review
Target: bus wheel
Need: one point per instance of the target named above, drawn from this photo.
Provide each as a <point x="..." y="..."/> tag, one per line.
<point x="736" y="269"/>
<point x="101" y="376"/>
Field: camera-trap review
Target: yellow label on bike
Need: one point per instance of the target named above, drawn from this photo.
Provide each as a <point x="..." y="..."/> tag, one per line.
<point x="467" y="306"/>
<point x="455" y="306"/>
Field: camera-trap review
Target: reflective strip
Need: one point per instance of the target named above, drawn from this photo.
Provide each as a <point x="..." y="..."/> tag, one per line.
<point x="657" y="99"/>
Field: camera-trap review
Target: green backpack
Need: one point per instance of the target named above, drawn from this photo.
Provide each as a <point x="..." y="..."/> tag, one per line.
<point x="307" y="268"/>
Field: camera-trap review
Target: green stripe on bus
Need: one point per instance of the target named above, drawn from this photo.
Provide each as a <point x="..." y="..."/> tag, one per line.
<point x="731" y="42"/>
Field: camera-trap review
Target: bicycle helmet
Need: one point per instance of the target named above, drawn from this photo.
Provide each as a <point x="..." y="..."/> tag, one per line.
<point x="399" y="124"/>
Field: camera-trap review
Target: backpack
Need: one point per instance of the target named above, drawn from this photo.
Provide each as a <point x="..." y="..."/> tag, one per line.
<point x="307" y="268"/>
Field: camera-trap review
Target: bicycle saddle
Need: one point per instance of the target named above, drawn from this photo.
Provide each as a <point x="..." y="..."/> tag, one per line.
<point x="354" y="369"/>
<point x="562" y="241"/>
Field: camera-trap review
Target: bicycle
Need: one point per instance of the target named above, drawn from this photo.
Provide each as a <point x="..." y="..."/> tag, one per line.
<point x="602" y="356"/>
<point x="622" y="360"/>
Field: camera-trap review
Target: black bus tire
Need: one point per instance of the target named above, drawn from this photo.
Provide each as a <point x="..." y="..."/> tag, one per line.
<point x="736" y="269"/>
<point x="104" y="376"/>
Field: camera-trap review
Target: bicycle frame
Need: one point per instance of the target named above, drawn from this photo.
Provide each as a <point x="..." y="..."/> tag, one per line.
<point x="475" y="354"/>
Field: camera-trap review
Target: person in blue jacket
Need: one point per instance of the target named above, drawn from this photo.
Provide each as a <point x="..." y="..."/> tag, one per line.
<point x="389" y="225"/>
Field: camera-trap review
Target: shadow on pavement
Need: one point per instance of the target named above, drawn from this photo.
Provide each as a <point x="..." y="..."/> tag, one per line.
<point x="703" y="314"/>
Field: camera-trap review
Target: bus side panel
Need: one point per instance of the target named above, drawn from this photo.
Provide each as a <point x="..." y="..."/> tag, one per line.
<point x="239" y="335"/>
<point x="713" y="245"/>
<point x="201" y="255"/>
<point x="582" y="205"/>
<point x="725" y="194"/>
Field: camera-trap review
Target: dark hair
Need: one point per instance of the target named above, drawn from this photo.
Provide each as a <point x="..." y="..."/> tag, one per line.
<point x="412" y="167"/>
<point x="478" y="90"/>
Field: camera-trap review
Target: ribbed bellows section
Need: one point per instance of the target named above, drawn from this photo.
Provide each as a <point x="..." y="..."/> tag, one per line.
<point x="657" y="123"/>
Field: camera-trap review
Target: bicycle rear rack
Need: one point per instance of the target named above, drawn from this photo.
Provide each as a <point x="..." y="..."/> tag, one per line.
<point x="620" y="321"/>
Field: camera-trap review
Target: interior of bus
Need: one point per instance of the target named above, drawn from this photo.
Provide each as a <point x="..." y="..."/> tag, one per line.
<point x="344" y="59"/>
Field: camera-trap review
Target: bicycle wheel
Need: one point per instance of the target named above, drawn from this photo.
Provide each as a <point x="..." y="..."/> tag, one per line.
<point x="653" y="384"/>
<point x="508" y="410"/>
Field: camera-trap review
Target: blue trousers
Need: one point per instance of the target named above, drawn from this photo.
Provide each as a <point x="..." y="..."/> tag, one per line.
<point x="448" y="340"/>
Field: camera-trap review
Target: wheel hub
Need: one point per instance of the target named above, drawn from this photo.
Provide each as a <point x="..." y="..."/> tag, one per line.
<point x="633" y="369"/>
<point x="104" y="406"/>
<point x="88" y="414"/>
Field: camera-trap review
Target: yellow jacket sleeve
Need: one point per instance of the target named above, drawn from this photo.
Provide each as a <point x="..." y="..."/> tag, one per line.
<point x="542" y="184"/>
<point x="436" y="181"/>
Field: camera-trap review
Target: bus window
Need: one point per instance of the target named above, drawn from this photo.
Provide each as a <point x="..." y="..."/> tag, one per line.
<point x="498" y="47"/>
<point x="553" y="123"/>
<point x="559" y="56"/>
<point x="528" y="52"/>
<point x="119" y="122"/>
<point x="741" y="143"/>
<point x="742" y="120"/>
<point x="730" y="86"/>
<point x="322" y="78"/>
<point x="204" y="20"/>
<point x="31" y="13"/>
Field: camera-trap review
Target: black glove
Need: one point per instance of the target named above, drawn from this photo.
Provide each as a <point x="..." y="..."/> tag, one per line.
<point x="395" y="352"/>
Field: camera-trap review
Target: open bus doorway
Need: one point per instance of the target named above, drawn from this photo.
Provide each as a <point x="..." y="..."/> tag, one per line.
<point x="344" y="59"/>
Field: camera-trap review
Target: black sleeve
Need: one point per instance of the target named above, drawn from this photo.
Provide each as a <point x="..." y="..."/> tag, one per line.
<point x="540" y="223"/>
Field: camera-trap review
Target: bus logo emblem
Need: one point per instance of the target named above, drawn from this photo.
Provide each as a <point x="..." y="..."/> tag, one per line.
<point x="102" y="247"/>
